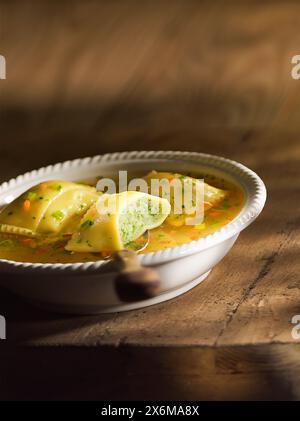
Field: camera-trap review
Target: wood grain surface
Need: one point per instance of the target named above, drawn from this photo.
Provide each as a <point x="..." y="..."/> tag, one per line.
<point x="90" y="77"/>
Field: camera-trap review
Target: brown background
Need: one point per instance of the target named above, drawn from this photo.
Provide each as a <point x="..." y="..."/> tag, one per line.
<point x="86" y="77"/>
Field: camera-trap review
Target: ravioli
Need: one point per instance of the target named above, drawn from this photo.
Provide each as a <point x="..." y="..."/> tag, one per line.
<point x="211" y="195"/>
<point x="47" y="208"/>
<point x="116" y="220"/>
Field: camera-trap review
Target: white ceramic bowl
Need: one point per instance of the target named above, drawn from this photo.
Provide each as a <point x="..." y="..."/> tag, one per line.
<point x="86" y="288"/>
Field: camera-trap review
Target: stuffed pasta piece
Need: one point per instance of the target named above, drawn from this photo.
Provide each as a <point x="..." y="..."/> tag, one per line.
<point x="211" y="195"/>
<point x="47" y="208"/>
<point x="116" y="220"/>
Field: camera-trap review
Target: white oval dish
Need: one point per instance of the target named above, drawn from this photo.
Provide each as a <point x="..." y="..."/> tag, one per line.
<point x="86" y="288"/>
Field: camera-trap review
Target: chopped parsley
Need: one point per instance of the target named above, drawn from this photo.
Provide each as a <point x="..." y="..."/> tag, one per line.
<point x="6" y="243"/>
<point x="86" y="224"/>
<point x="31" y="195"/>
<point x="58" y="215"/>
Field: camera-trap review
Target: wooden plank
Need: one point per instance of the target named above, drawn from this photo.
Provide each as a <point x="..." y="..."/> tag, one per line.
<point x="188" y="373"/>
<point x="273" y="299"/>
<point x="190" y="73"/>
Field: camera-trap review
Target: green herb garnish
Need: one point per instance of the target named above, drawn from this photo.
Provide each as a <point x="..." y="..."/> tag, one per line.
<point x="6" y="243"/>
<point x="31" y="195"/>
<point x="58" y="215"/>
<point x="86" y="224"/>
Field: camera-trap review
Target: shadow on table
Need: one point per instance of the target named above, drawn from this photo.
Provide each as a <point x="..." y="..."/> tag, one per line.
<point x="27" y="323"/>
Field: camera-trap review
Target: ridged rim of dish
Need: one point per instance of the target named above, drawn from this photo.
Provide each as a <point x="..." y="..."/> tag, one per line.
<point x="242" y="175"/>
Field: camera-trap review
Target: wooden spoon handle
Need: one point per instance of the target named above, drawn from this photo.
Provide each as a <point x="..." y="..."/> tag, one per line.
<point x="134" y="282"/>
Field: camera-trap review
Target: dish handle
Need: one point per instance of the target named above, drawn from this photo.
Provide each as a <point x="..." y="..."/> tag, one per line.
<point x="134" y="282"/>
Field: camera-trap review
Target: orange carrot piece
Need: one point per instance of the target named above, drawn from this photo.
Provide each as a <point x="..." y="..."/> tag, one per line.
<point x="164" y="242"/>
<point x="27" y="241"/>
<point x="215" y="214"/>
<point x="26" y="204"/>
<point x="105" y="253"/>
<point x="43" y="186"/>
<point x="140" y="240"/>
<point x="40" y="251"/>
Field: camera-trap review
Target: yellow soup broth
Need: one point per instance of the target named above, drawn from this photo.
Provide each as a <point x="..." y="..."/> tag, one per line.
<point x="215" y="218"/>
<point x="52" y="250"/>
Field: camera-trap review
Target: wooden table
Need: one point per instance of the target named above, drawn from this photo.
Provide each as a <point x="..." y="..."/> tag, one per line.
<point x="203" y="76"/>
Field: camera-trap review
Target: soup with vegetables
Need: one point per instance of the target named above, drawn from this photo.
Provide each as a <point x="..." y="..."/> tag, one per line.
<point x="64" y="222"/>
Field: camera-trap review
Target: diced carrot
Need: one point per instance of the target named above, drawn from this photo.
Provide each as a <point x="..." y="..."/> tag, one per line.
<point x="105" y="253"/>
<point x="215" y="214"/>
<point x="140" y="240"/>
<point x="43" y="186"/>
<point x="194" y="234"/>
<point x="93" y="212"/>
<point x="206" y="205"/>
<point x="40" y="252"/>
<point x="26" y="204"/>
<point x="27" y="241"/>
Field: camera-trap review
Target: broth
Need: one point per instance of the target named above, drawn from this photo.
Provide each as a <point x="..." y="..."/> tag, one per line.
<point x="50" y="250"/>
